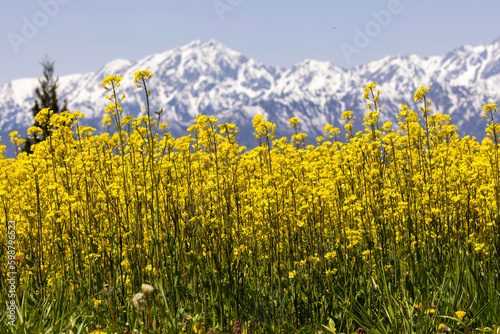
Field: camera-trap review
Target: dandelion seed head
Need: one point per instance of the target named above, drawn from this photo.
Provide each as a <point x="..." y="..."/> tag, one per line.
<point x="147" y="289"/>
<point x="139" y="301"/>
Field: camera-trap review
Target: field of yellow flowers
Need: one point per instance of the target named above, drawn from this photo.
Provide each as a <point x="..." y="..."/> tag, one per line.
<point x="394" y="229"/>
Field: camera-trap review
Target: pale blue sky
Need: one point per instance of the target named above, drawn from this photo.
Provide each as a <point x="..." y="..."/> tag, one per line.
<point x="82" y="35"/>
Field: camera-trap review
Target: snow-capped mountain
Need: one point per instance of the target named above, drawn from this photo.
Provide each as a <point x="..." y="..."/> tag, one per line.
<point x="209" y="78"/>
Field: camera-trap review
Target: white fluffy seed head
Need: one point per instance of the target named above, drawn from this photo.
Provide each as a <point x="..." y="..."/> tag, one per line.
<point x="147" y="289"/>
<point x="139" y="301"/>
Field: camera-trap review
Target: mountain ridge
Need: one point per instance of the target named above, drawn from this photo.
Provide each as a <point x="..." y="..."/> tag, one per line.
<point x="210" y="78"/>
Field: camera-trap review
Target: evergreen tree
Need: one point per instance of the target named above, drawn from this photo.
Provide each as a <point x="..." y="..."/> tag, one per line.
<point x="46" y="97"/>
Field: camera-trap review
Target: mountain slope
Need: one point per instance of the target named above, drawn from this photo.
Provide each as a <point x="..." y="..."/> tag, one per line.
<point x="209" y="78"/>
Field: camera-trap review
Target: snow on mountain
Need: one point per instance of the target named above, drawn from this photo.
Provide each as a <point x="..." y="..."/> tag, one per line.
<point x="210" y="78"/>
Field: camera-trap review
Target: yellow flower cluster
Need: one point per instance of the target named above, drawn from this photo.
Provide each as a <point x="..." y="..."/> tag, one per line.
<point x="139" y="205"/>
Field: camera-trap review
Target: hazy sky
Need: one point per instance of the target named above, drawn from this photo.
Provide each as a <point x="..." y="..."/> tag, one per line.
<point x="81" y="36"/>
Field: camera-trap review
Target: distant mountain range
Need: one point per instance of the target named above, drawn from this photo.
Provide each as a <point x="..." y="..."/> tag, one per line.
<point x="210" y="78"/>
